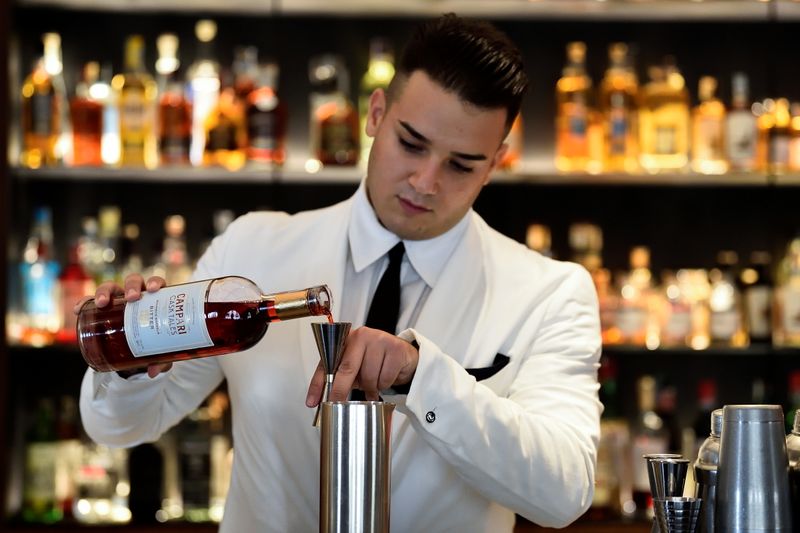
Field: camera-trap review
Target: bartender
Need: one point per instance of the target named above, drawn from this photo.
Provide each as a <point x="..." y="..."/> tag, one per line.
<point x="490" y="351"/>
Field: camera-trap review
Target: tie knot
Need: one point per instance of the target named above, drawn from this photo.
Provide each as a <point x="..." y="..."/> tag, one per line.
<point x="396" y="253"/>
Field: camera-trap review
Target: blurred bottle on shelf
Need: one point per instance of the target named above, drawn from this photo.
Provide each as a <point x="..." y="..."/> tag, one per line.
<point x="174" y="110"/>
<point x="334" y="120"/>
<point x="226" y="131"/>
<point x="380" y="71"/>
<point x="726" y="322"/>
<point x="267" y="119"/>
<point x="793" y="399"/>
<point x="90" y="251"/>
<point x="87" y="120"/>
<point x="102" y="485"/>
<point x="757" y="294"/>
<point x="109" y="217"/>
<point x="73" y="284"/>
<point x="146" y="466"/>
<point x="636" y="321"/>
<point x="174" y="256"/>
<point x="706" y="404"/>
<point x="136" y="94"/>
<point x="648" y="436"/>
<point x="666" y="408"/>
<point x="68" y="454"/>
<point x="537" y="238"/>
<point x="245" y="72"/>
<point x="777" y="125"/>
<point x="515" y="142"/>
<point x="573" y="105"/>
<point x="40" y="504"/>
<point x="42" y="104"/>
<point x="741" y="129"/>
<point x="708" y="130"/>
<point x="794" y="139"/>
<point x="664" y="121"/>
<point x="786" y="315"/>
<point x="102" y="92"/>
<point x="130" y="256"/>
<point x="619" y="92"/>
<point x="39" y="274"/>
<point x="675" y="312"/>
<point x="203" y="79"/>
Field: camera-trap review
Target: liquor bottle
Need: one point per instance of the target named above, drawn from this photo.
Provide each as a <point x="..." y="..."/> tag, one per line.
<point x="786" y="316"/>
<point x="573" y="93"/>
<point x="130" y="258"/>
<point x="102" y="92"/>
<point x="757" y="294"/>
<point x="635" y="318"/>
<point x="793" y="451"/>
<point x="267" y="119"/>
<point x="39" y="273"/>
<point x="245" y="72"/>
<point x="708" y="130"/>
<point x="41" y="451"/>
<point x="42" y="104"/>
<point x="174" y="110"/>
<point x="174" y="256"/>
<point x="380" y="71"/>
<point x="649" y="437"/>
<point x="200" y="319"/>
<point x="68" y="454"/>
<point x="136" y="96"/>
<point x="167" y="63"/>
<point x="146" y="465"/>
<point x="194" y="463"/>
<point x="537" y="238"/>
<point x="726" y="322"/>
<point x="108" y="238"/>
<point x="90" y="251"/>
<point x="741" y="129"/>
<point x="73" y="284"/>
<point x="204" y="84"/>
<point x="226" y="131"/>
<point x="87" y="120"/>
<point x="666" y="407"/>
<point x="103" y="485"/>
<point x="706" y="404"/>
<point x="676" y="313"/>
<point x="334" y="120"/>
<point x="515" y="142"/>
<point x="778" y="138"/>
<point x="619" y="92"/>
<point x="794" y="140"/>
<point x="664" y="121"/>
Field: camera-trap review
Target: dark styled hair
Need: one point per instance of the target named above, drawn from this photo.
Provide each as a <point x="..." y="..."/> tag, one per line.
<point x="471" y="58"/>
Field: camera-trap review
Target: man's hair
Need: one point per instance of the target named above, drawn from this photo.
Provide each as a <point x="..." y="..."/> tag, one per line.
<point x="471" y="58"/>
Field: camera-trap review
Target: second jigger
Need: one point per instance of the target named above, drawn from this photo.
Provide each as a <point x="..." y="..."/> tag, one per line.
<point x="330" y="338"/>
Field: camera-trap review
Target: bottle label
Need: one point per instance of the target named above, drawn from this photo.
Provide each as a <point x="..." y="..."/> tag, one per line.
<point x="170" y="320"/>
<point x="724" y="324"/>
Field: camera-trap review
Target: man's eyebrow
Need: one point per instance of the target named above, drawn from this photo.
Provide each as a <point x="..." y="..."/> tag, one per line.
<point x="420" y="137"/>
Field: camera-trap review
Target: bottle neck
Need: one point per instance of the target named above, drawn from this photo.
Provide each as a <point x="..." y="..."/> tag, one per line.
<point x="314" y="301"/>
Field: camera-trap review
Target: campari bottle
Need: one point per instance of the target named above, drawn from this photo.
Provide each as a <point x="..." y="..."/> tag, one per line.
<point x="187" y="321"/>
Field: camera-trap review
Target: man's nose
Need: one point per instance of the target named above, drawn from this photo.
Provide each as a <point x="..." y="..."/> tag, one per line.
<point x="425" y="178"/>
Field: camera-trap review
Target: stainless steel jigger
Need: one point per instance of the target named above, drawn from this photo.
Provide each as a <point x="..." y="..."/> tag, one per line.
<point x="330" y="343"/>
<point x="667" y="475"/>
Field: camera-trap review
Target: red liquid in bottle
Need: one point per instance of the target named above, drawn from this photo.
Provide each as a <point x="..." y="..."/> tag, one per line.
<point x="232" y="326"/>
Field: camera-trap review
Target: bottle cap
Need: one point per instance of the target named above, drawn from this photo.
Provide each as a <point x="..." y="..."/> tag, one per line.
<point x="716" y="422"/>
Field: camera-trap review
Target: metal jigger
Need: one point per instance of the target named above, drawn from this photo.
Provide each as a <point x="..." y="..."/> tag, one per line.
<point x="330" y="340"/>
<point x="667" y="475"/>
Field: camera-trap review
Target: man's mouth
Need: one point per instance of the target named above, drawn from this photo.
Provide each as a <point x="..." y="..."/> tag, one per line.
<point x="411" y="207"/>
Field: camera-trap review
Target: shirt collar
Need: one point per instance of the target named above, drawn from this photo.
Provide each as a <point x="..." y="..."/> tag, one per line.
<point x="369" y="241"/>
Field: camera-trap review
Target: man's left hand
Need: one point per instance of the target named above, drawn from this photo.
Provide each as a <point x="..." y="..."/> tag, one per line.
<point x="373" y="360"/>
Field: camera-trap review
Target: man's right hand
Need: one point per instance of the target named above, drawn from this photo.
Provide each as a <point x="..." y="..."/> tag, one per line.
<point x="134" y="284"/>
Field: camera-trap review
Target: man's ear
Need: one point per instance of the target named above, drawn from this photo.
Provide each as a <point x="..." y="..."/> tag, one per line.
<point x="498" y="157"/>
<point x="377" y="110"/>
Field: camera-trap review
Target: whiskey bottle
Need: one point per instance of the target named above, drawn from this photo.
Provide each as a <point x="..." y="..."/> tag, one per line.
<point x="267" y="119"/>
<point x="741" y="130"/>
<point x="676" y="313"/>
<point x="726" y="322"/>
<point x="786" y="316"/>
<point x="573" y="92"/>
<point x="43" y="103"/>
<point x="664" y="122"/>
<point x="174" y="118"/>
<point x="708" y="130"/>
<point x="757" y="293"/>
<point x="87" y="120"/>
<point x="136" y="98"/>
<point x="204" y="84"/>
<point x="619" y="93"/>
<point x="199" y="319"/>
<point x="635" y="319"/>
<point x="380" y="71"/>
<point x="334" y="120"/>
<point x="226" y="131"/>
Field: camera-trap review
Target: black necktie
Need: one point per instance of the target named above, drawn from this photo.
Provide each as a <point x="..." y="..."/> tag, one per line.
<point x="385" y="307"/>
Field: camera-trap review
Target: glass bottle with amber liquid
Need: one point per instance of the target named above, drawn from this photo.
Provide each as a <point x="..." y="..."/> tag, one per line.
<point x="664" y="121"/>
<point x="708" y="130"/>
<point x="727" y="324"/>
<point x="174" y="117"/>
<point x="573" y="93"/>
<point x="334" y="119"/>
<point x="188" y="321"/>
<point x="618" y="106"/>
<point x="741" y="130"/>
<point x="226" y="131"/>
<point x="87" y="120"/>
<point x="136" y="97"/>
<point x="267" y="119"/>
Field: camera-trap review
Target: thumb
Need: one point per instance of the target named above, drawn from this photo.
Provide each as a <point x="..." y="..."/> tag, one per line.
<point x="315" y="387"/>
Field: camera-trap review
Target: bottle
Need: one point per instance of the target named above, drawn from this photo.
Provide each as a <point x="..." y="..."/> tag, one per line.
<point x="41" y="451"/>
<point x="635" y="319"/>
<point x="649" y="437"/>
<point x="87" y="120"/>
<point x="573" y="94"/>
<point x="619" y="92"/>
<point x="786" y="315"/>
<point x="108" y="238"/>
<point x="68" y="454"/>
<point x="204" y="84"/>
<point x="706" y="404"/>
<point x="380" y="71"/>
<point x="102" y="92"/>
<point x="136" y="96"/>
<point x="705" y="472"/>
<point x="226" y="131"/>
<point x="778" y="138"/>
<point x="741" y="129"/>
<point x="708" y="130"/>
<point x="757" y="294"/>
<point x="334" y="120"/>
<point x="200" y="319"/>
<point x="42" y="103"/>
<point x="793" y="451"/>
<point x="664" y="121"/>
<point x="726" y="322"/>
<point x="174" y="257"/>
<point x="794" y="141"/>
<point x="39" y="273"/>
<point x="267" y="119"/>
<point x="245" y="72"/>
<point x="537" y="238"/>
<point x="174" y="110"/>
<point x="676" y="313"/>
<point x="73" y="284"/>
<point x="167" y="63"/>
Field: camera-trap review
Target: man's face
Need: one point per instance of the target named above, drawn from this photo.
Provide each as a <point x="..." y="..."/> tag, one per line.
<point x="432" y="153"/>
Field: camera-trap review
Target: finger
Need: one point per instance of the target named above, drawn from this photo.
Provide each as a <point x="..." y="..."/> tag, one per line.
<point x="316" y="387"/>
<point x="393" y="363"/>
<point x="349" y="368"/>
<point x="154" y="370"/>
<point x="371" y="370"/>
<point x="105" y="293"/>
<point x="155" y="282"/>
<point x="78" y="306"/>
<point x="134" y="283"/>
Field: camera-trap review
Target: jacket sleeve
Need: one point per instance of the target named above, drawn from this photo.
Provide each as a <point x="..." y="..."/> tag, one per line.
<point x="533" y="449"/>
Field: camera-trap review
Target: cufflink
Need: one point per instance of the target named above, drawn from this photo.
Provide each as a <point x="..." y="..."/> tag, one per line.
<point x="430" y="417"/>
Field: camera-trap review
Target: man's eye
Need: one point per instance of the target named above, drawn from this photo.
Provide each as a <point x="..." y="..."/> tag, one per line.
<point x="411" y="147"/>
<point x="458" y="167"/>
